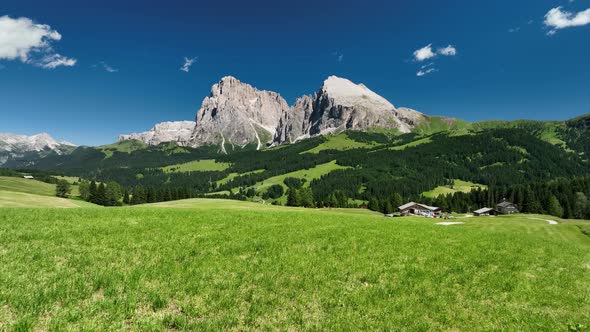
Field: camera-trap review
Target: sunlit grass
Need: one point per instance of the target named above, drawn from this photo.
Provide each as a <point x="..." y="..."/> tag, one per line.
<point x="208" y="266"/>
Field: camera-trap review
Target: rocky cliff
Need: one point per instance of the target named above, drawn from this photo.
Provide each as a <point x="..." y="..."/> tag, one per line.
<point x="236" y="114"/>
<point x="179" y="131"/>
<point x="342" y="105"/>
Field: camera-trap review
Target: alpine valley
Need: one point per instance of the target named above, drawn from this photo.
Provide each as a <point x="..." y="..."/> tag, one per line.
<point x="342" y="146"/>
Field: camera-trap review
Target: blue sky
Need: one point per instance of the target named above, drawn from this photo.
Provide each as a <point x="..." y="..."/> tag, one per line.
<point x="509" y="64"/>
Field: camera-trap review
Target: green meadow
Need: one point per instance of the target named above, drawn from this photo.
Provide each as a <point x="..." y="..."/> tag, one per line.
<point x="458" y="186"/>
<point x="197" y="166"/>
<point x="212" y="265"/>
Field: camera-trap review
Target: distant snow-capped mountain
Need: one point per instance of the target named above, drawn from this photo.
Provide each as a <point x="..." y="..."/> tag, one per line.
<point x="20" y="146"/>
<point x="179" y="131"/>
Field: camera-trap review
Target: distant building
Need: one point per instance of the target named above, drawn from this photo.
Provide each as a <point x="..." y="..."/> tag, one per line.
<point x="418" y="209"/>
<point x="507" y="208"/>
<point x="484" y="212"/>
<point x="28" y="177"/>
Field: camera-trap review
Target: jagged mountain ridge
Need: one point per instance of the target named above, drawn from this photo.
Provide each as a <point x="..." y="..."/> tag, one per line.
<point x="21" y="146"/>
<point x="342" y="105"/>
<point x="236" y="114"/>
<point x="177" y="131"/>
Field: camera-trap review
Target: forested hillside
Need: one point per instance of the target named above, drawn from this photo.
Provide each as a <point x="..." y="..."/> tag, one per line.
<point x="350" y="168"/>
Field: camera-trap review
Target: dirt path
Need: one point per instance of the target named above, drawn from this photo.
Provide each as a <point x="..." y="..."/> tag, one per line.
<point x="551" y="222"/>
<point x="449" y="223"/>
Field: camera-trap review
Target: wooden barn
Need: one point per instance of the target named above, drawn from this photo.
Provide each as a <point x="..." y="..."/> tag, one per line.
<point x="507" y="208"/>
<point x="485" y="212"/>
<point x="413" y="208"/>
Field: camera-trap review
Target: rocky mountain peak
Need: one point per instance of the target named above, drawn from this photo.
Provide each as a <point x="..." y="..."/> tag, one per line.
<point x="178" y="131"/>
<point x="237" y="114"/>
<point x="346" y="93"/>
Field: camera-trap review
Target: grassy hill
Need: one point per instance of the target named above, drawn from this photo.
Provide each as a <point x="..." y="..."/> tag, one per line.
<point x="19" y="192"/>
<point x="198" y="166"/>
<point x="206" y="266"/>
<point x="11" y="199"/>
<point x="457" y="186"/>
<point x="21" y="185"/>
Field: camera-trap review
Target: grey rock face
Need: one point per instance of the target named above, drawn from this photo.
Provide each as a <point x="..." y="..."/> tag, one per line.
<point x="295" y="124"/>
<point x="342" y="105"/>
<point x="237" y="114"/>
<point x="178" y="131"/>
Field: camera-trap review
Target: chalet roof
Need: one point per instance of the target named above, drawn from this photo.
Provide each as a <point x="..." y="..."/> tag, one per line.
<point x="409" y="205"/>
<point x="484" y="210"/>
<point x="506" y="204"/>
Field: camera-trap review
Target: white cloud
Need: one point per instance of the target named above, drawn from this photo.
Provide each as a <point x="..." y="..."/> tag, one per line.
<point x="424" y="53"/>
<point x="22" y="39"/>
<point x="108" y="68"/>
<point x="423" y="72"/>
<point x="340" y="57"/>
<point x="186" y="67"/>
<point x="448" y="51"/>
<point x="53" y="61"/>
<point x="557" y="19"/>
<point x="512" y="30"/>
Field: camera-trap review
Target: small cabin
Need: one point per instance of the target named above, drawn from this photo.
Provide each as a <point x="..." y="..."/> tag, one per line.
<point x="507" y="208"/>
<point x="413" y="208"/>
<point x="484" y="212"/>
<point x="28" y="177"/>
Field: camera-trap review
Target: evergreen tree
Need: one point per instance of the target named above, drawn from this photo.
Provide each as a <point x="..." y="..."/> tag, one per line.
<point x="84" y="189"/>
<point x="63" y="189"/>
<point x="139" y="196"/>
<point x="581" y="206"/>
<point x="92" y="192"/>
<point x="126" y="199"/>
<point x="306" y="198"/>
<point x="293" y="197"/>
<point x="101" y="195"/>
<point x="553" y="207"/>
<point x="374" y="204"/>
<point x="113" y="194"/>
<point x="397" y="200"/>
<point x="387" y="207"/>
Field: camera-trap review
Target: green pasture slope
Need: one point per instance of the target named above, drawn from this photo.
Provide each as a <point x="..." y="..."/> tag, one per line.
<point x="18" y="193"/>
<point x="231" y="266"/>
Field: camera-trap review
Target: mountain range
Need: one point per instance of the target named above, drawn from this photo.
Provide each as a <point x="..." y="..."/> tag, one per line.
<point x="236" y="115"/>
<point x="36" y="146"/>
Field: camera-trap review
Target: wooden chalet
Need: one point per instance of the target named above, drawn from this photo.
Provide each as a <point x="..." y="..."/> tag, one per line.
<point x="413" y="208"/>
<point x="507" y="208"/>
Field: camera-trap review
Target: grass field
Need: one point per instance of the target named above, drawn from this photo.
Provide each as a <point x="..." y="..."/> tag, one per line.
<point x="459" y="186"/>
<point x="19" y="192"/>
<point x="412" y="144"/>
<point x="124" y="146"/>
<point x="232" y="266"/>
<point x="307" y="174"/>
<point x="26" y="186"/>
<point x="339" y="142"/>
<point x="232" y="176"/>
<point x="198" y="166"/>
<point x="11" y="199"/>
